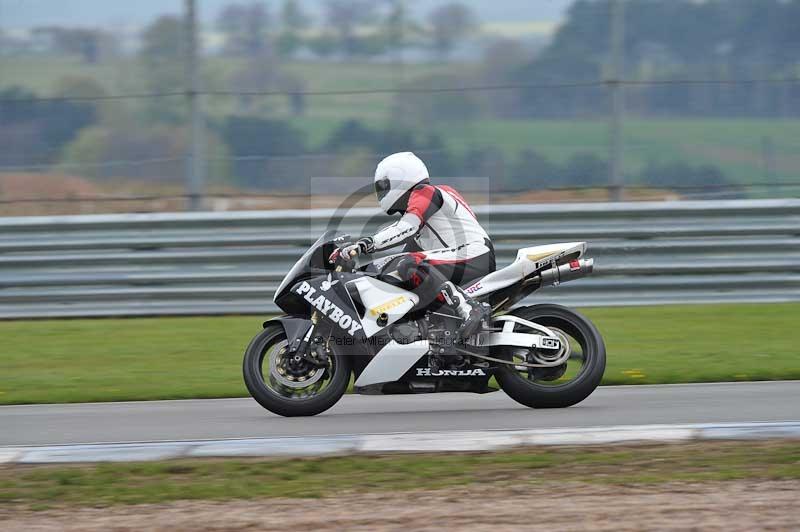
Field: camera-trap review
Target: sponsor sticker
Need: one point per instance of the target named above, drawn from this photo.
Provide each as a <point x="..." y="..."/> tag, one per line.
<point x="473" y="288"/>
<point x="428" y="372"/>
<point x="550" y="343"/>
<point x="551" y="258"/>
<point x="328" y="283"/>
<point x="346" y="322"/>
<point x="387" y="306"/>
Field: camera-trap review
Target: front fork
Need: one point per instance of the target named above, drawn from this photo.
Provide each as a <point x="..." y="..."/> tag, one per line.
<point x="300" y="347"/>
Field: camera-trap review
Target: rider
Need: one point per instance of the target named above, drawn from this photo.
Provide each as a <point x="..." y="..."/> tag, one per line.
<point x="447" y="246"/>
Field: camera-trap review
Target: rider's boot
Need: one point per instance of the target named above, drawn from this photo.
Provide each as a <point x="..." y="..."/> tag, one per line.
<point x="467" y="308"/>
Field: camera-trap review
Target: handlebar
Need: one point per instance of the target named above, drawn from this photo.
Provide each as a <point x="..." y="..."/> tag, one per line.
<point x="343" y="261"/>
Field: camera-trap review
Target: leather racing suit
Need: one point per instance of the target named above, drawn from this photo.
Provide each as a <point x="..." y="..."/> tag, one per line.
<point x="444" y="242"/>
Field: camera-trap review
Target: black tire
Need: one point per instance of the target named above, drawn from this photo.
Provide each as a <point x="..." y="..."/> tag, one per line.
<point x="534" y="395"/>
<point x="289" y="407"/>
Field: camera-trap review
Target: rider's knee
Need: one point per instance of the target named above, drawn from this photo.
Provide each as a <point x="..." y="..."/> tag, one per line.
<point x="411" y="269"/>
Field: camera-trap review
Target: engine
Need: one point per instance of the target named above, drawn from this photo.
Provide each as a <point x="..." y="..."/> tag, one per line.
<point x="406" y="332"/>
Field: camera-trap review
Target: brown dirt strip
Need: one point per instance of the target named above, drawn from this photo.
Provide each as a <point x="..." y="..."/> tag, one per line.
<point x="724" y="505"/>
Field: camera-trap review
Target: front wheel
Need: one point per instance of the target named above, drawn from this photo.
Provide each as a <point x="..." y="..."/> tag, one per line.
<point x="288" y="385"/>
<point x="565" y="384"/>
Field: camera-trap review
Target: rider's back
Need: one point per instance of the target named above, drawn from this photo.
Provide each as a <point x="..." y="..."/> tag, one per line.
<point x="448" y="220"/>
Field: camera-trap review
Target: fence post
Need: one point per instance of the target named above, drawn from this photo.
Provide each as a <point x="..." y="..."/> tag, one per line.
<point x="616" y="73"/>
<point x="195" y="169"/>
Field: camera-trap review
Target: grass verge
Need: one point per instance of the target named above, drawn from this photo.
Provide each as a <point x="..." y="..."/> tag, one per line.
<point x="41" y="487"/>
<point x="172" y="358"/>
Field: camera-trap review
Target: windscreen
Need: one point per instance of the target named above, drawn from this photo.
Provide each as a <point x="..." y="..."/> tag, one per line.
<point x="312" y="260"/>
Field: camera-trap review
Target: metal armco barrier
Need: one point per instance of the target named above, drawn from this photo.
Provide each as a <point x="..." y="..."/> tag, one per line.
<point x="230" y="263"/>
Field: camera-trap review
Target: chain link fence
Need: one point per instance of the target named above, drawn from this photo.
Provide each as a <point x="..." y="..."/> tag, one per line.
<point x="589" y="101"/>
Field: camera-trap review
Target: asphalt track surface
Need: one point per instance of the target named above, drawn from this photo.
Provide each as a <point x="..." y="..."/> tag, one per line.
<point x="244" y="418"/>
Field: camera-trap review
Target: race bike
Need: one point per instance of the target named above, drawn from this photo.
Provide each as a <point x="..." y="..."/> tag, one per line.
<point x="342" y="322"/>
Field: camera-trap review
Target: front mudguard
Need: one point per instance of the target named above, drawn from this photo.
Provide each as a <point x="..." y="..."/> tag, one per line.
<point x="295" y="327"/>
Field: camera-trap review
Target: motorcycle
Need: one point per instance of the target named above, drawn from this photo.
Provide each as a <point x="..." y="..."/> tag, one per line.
<point x="341" y="322"/>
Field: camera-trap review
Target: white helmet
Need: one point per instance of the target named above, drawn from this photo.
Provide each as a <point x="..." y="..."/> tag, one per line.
<point x="395" y="176"/>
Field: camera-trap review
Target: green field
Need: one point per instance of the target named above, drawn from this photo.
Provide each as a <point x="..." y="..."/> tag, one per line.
<point x="734" y="145"/>
<point x="741" y="147"/>
<point x="172" y="358"/>
<point x="41" y="487"/>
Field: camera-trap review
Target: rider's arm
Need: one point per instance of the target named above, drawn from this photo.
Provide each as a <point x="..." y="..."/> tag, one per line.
<point x="424" y="201"/>
<point x="392" y="235"/>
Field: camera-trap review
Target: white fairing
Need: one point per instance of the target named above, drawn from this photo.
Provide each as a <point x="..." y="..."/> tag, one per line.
<point x="382" y="298"/>
<point x="392" y="362"/>
<point x="528" y="261"/>
<point x="395" y="359"/>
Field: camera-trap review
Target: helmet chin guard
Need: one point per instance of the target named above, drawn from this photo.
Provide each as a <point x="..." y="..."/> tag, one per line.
<point x="395" y="176"/>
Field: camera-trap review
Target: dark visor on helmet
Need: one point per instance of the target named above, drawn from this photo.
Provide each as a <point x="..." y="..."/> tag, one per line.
<point x="381" y="188"/>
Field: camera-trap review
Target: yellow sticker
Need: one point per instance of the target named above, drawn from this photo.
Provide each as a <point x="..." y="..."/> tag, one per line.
<point x="539" y="256"/>
<point x="389" y="305"/>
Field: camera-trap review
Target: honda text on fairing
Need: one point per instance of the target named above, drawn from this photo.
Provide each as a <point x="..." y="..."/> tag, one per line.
<point x="341" y="321"/>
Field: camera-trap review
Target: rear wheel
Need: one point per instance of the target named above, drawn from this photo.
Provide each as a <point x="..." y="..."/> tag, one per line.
<point x="290" y="385"/>
<point x="577" y="371"/>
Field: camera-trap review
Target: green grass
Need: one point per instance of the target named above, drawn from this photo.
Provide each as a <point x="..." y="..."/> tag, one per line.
<point x="700" y="343"/>
<point x="39" y="487"/>
<point x="171" y="358"/>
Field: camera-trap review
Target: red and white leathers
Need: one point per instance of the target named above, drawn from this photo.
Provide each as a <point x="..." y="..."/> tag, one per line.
<point x="441" y="225"/>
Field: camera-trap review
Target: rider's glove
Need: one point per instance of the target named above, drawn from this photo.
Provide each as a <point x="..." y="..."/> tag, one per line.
<point x="362" y="246"/>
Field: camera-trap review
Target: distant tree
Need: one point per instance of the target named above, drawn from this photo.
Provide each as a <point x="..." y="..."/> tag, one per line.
<point x="394" y="25"/>
<point x="485" y="162"/>
<point x="439" y="159"/>
<point x="161" y="55"/>
<point x="128" y="141"/>
<point x="585" y="170"/>
<point x="532" y="170"/>
<point x="323" y="45"/>
<point x="293" y="22"/>
<point x="294" y="17"/>
<point x="353" y="134"/>
<point x="420" y="109"/>
<point x="501" y="60"/>
<point x="733" y="39"/>
<point x="398" y="29"/>
<point x="246" y="28"/>
<point x="87" y="43"/>
<point x="680" y="174"/>
<point x="34" y="131"/>
<point x="249" y="137"/>
<point x="344" y="17"/>
<point x="86" y="87"/>
<point x="569" y="102"/>
<point x="502" y="57"/>
<point x="18" y="104"/>
<point x="256" y="74"/>
<point x="80" y="86"/>
<point x="162" y="41"/>
<point x="349" y="134"/>
<point x="359" y="144"/>
<point x="450" y="23"/>
<point x="264" y="73"/>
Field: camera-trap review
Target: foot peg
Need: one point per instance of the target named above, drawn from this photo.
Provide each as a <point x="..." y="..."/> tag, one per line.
<point x="472" y="324"/>
<point x="472" y="312"/>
